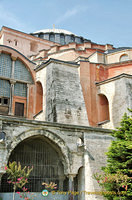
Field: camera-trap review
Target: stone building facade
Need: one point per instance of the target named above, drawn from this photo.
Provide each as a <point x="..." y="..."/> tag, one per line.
<point x="60" y="94"/>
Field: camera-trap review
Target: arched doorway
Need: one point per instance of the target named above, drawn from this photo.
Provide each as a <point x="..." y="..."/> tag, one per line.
<point x="39" y="152"/>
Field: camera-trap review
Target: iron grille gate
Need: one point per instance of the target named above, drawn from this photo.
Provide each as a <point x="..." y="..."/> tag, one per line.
<point x="47" y="166"/>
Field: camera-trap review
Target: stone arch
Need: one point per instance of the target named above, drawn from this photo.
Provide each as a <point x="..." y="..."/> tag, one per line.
<point x="39" y="97"/>
<point x="123" y="57"/>
<point x="57" y="141"/>
<point x="103" y="108"/>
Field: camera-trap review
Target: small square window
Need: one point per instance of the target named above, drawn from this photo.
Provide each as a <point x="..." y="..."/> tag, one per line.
<point x="5" y="101"/>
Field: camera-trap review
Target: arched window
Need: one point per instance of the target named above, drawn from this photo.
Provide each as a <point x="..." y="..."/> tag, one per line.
<point x="103" y="108"/>
<point x="52" y="37"/>
<point x="13" y="99"/>
<point x="39" y="97"/>
<point x="16" y="42"/>
<point x="62" y="39"/>
<point x="41" y="35"/>
<point x="9" y="41"/>
<point x="123" y="57"/>
<point x="72" y="38"/>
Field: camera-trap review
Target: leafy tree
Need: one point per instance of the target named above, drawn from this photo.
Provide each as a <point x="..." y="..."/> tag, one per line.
<point x="117" y="176"/>
<point x="17" y="176"/>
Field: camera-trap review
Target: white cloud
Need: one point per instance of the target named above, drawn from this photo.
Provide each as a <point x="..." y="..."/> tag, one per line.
<point x="69" y="13"/>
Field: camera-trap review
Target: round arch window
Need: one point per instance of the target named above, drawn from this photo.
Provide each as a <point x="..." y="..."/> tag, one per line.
<point x="123" y="57"/>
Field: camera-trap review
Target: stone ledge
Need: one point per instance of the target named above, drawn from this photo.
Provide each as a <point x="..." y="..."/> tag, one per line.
<point x="53" y="124"/>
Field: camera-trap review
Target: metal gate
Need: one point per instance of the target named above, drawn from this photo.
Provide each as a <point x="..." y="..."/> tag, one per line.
<point x="46" y="162"/>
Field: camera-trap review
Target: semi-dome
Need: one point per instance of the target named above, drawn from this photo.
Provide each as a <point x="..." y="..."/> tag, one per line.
<point x="60" y="36"/>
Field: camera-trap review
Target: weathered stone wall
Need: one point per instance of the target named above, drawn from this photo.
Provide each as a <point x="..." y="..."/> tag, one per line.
<point x="118" y="93"/>
<point x="82" y="149"/>
<point x="63" y="100"/>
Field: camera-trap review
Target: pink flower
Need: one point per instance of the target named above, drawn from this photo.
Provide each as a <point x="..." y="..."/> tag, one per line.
<point x="18" y="192"/>
<point x="123" y="186"/>
<point x="26" y="198"/>
<point x="9" y="182"/>
<point x="24" y="189"/>
<point x="98" y="181"/>
<point x="6" y="168"/>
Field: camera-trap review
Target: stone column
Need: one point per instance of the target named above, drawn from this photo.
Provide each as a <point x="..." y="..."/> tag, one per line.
<point x="12" y="86"/>
<point x="11" y="97"/>
<point x="13" y="66"/>
<point x="27" y="103"/>
<point x="71" y="187"/>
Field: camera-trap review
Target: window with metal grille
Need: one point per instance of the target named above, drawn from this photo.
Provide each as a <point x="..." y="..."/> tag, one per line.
<point x="5" y="65"/>
<point x="72" y="38"/>
<point x="21" y="72"/>
<point x="46" y="162"/>
<point x="52" y="37"/>
<point x="4" y="88"/>
<point x="62" y="39"/>
<point x="20" y="89"/>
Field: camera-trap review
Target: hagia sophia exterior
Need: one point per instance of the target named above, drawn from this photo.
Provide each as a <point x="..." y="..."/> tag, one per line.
<point x="60" y="96"/>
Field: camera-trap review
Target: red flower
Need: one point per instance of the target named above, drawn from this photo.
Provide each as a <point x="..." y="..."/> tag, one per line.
<point x="6" y="168"/>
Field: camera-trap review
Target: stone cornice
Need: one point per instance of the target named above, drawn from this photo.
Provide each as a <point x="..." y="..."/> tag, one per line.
<point x="68" y="127"/>
<point x="51" y="60"/>
<point x="114" y="78"/>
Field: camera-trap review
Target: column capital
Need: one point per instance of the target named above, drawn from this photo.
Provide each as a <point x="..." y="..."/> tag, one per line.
<point x="13" y="58"/>
<point x="12" y="81"/>
<point x="71" y="176"/>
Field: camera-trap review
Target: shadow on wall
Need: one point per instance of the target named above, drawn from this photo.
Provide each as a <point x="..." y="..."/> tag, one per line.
<point x="122" y="99"/>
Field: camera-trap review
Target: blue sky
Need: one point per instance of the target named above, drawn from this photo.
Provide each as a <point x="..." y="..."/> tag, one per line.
<point x="102" y="21"/>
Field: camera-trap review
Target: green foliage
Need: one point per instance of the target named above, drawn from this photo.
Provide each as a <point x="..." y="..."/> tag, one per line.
<point x="119" y="168"/>
<point x="18" y="176"/>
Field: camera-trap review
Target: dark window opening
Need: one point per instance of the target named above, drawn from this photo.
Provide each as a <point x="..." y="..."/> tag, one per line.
<point x="72" y="38"/>
<point x="19" y="109"/>
<point x="5" y="101"/>
<point x="15" y="42"/>
<point x="4" y="105"/>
